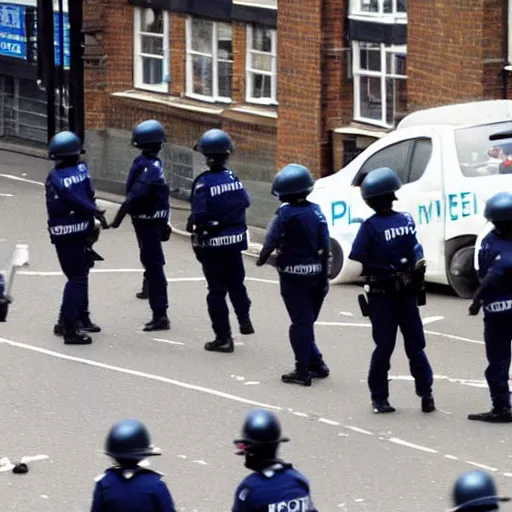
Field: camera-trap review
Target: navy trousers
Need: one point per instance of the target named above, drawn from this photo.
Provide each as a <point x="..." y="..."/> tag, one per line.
<point x="498" y="336"/>
<point x="149" y="239"/>
<point x="224" y="271"/>
<point x="387" y="314"/>
<point x="303" y="297"/>
<point x="72" y="254"/>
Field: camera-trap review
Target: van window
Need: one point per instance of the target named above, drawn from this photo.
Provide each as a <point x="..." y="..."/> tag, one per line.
<point x="479" y="156"/>
<point x="394" y="156"/>
<point x="420" y="157"/>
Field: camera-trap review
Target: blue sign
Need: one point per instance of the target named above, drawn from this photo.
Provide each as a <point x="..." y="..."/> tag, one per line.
<point x="56" y="39"/>
<point x="13" y="37"/>
<point x="458" y="206"/>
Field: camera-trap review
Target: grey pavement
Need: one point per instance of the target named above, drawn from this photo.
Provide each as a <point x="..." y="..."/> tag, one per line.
<point x="59" y="401"/>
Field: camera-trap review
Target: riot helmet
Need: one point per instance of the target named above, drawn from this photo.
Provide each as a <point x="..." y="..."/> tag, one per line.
<point x="498" y="210"/>
<point x="64" y="145"/>
<point x="149" y="135"/>
<point x="216" y="145"/>
<point x="292" y="181"/>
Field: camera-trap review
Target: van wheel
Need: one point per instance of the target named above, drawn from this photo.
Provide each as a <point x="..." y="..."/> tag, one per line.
<point x="461" y="272"/>
<point x="337" y="259"/>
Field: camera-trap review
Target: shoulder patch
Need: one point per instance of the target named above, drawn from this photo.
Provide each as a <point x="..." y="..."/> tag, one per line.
<point x="100" y="477"/>
<point x="242" y="495"/>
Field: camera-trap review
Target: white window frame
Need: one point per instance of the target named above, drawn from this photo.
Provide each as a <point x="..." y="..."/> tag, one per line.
<point x="249" y="71"/>
<point x="383" y="74"/>
<point x="189" y="88"/>
<point x="357" y="11"/>
<point x="138" y="56"/>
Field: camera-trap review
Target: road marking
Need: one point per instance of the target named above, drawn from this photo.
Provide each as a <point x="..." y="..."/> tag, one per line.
<point x="208" y="391"/>
<point x="401" y="442"/>
<point x="251" y="383"/>
<point x="451" y="457"/>
<point x="357" y="429"/>
<point x="342" y="324"/>
<point x="149" y="376"/>
<point x="202" y="462"/>
<point x="346" y="313"/>
<point x="432" y="319"/>
<point x="476" y="383"/>
<point x="6" y="195"/>
<point x="482" y="466"/>
<point x="169" y="341"/>
<point x="25" y="180"/>
<point x="453" y="337"/>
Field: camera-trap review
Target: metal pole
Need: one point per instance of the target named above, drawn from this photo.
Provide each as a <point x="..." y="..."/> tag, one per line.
<point x="76" y="73"/>
<point x="61" y="65"/>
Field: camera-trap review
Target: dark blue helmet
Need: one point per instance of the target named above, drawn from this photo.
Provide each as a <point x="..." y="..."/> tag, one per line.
<point x="475" y="489"/>
<point x="129" y="440"/>
<point x="214" y="142"/>
<point x="294" y="179"/>
<point x="64" y="144"/>
<point x="380" y="182"/>
<point x="148" y="133"/>
<point x="261" y="429"/>
<point x="499" y="207"/>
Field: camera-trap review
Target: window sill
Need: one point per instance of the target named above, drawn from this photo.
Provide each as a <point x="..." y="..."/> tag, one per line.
<point x="371" y="124"/>
<point x="170" y="101"/>
<point x="355" y="129"/>
<point x="159" y="89"/>
<point x="251" y="114"/>
<point x="389" y="19"/>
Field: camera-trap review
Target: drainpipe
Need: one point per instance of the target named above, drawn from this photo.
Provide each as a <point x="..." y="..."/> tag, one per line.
<point x="506" y="8"/>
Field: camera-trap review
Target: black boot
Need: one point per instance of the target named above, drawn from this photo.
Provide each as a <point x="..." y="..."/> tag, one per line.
<point x="221" y="343"/>
<point x="319" y="370"/>
<point x="86" y="325"/>
<point x="428" y="404"/>
<point x="76" y="337"/>
<point x="382" y="407"/>
<point x="158" y="323"/>
<point x="143" y="294"/>
<point x="246" y="326"/>
<point x="495" y="415"/>
<point x="298" y="376"/>
<point x="58" y="329"/>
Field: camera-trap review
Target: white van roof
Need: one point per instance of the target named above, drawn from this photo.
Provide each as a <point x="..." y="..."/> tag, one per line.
<point x="461" y="114"/>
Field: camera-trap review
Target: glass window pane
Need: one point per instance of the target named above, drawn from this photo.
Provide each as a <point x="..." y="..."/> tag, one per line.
<point x="152" y="45"/>
<point x="371" y="103"/>
<point x="261" y="62"/>
<point x="262" y="39"/>
<point x="202" y="36"/>
<point x="261" y="86"/>
<point x="388" y="6"/>
<point x="202" y="75"/>
<point x="370" y="57"/>
<point x="394" y="156"/>
<point x="401" y="6"/>
<point x="225" y="42"/>
<point x="390" y="101"/>
<point x="225" y="78"/>
<point x="420" y="158"/>
<point x="152" y="20"/>
<point x="152" y="72"/>
<point x="369" y="6"/>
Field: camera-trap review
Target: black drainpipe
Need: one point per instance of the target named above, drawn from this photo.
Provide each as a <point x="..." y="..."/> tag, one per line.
<point x="506" y="7"/>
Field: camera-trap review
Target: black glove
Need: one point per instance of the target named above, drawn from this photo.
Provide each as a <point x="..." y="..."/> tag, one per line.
<point x="190" y="225"/>
<point x="260" y="262"/>
<point x="52" y="238"/>
<point x="474" y="308"/>
<point x="100" y="215"/>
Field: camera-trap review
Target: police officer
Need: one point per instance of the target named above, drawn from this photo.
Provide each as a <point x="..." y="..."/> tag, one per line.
<point x="300" y="234"/>
<point x="217" y="221"/>
<point x="274" y="484"/>
<point x="147" y="201"/>
<point x="71" y="212"/>
<point x="394" y="268"/>
<point x="4" y="300"/>
<point x="476" y="491"/>
<point x="495" y="294"/>
<point x="128" y="486"/>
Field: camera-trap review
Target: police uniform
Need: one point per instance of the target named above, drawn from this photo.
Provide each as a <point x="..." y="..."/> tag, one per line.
<point x="475" y="491"/>
<point x="495" y="295"/>
<point x="392" y="258"/>
<point x="128" y="487"/>
<point x="71" y="212"/>
<point x="218" y="205"/>
<point x="300" y="234"/>
<point x="274" y="485"/>
<point x="147" y="201"/>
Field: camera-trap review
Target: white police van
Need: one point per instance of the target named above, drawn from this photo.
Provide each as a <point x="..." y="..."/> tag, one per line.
<point x="448" y="166"/>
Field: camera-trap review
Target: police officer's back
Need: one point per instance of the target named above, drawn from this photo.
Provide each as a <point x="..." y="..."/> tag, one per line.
<point x="299" y="233"/>
<point x="394" y="269"/>
<point x="218" y="205"/>
<point x="128" y="487"/>
<point x="147" y="201"/>
<point x="495" y="295"/>
<point x="71" y="211"/>
<point x="475" y="491"/>
<point x="274" y="484"/>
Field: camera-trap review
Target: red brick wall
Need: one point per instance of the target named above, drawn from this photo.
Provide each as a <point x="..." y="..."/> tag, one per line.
<point x="177" y="46"/>
<point x="454" y="51"/>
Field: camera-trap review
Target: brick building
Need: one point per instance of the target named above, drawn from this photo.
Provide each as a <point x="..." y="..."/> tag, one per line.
<point x="314" y="82"/>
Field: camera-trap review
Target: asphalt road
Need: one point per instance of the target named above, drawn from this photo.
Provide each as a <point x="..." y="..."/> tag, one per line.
<point x="58" y="402"/>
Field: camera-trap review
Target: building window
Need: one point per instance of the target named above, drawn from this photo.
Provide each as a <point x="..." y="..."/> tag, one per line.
<point x="209" y="60"/>
<point x="151" y="49"/>
<point x="261" y="66"/>
<point x="379" y="82"/>
<point x="397" y="8"/>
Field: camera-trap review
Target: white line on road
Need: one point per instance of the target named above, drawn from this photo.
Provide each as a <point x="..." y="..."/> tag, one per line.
<point x="432" y="319"/>
<point x="169" y="341"/>
<point x="401" y="442"/>
<point x="329" y="422"/>
<point x="343" y="324"/>
<point x="346" y="313"/>
<point x="6" y="195"/>
<point x="482" y="466"/>
<point x="360" y="430"/>
<point x="25" y="180"/>
<point x="453" y="337"/>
